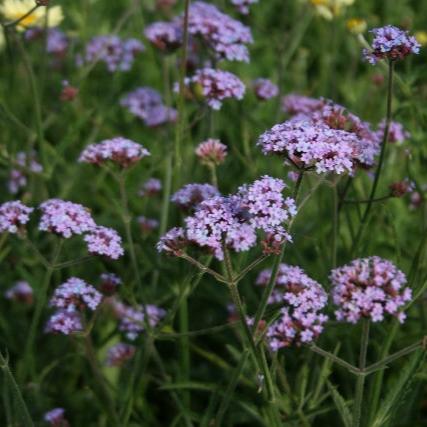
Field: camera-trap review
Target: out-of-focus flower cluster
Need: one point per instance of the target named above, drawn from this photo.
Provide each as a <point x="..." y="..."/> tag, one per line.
<point x="191" y="195"/>
<point x="265" y="89"/>
<point x="235" y="219"/>
<point x="369" y="288"/>
<point x="13" y="215"/>
<point x="119" y="354"/>
<point x="243" y="6"/>
<point x="301" y="300"/>
<point x="165" y="36"/>
<point x="21" y="291"/>
<point x="211" y="152"/>
<point x="56" y="418"/>
<point x="23" y="165"/>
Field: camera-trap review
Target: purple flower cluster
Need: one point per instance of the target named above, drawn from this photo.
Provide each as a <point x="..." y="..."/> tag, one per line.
<point x="21" y="291"/>
<point x="214" y="86"/>
<point x="147" y="104"/>
<point x="64" y="322"/>
<point x="191" y="195"/>
<point x="56" y="41"/>
<point x="396" y="133"/>
<point x="225" y="36"/>
<point x="234" y="220"/>
<point x="75" y="294"/>
<point x="211" y="151"/>
<point x="119" y="354"/>
<point x="165" y="36"/>
<point x="295" y="104"/>
<point x="109" y="283"/>
<point x="391" y="43"/>
<point x="265" y="89"/>
<point x="370" y="288"/>
<point x="147" y="224"/>
<point x="303" y="299"/>
<point x="150" y="187"/>
<point x="65" y="218"/>
<point x="117" y="54"/>
<point x="23" y="166"/>
<point x="119" y="150"/>
<point x="56" y="418"/>
<point x="104" y="241"/>
<point x="13" y="215"/>
<point x="132" y="318"/>
<point x="243" y="5"/>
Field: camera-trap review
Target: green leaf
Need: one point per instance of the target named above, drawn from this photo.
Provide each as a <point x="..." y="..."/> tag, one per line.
<point x="341" y="405"/>
<point x="396" y="393"/>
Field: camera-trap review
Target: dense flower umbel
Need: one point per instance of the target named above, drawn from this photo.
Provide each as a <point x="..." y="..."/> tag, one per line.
<point x="13" y="215"/>
<point x="211" y="151"/>
<point x="75" y="294"/>
<point x="166" y="36"/>
<point x="214" y="86"/>
<point x="147" y="104"/>
<point x="64" y="322"/>
<point x="370" y="288"/>
<point x="21" y="291"/>
<point x="104" y="241"/>
<point x="294" y="104"/>
<point x="396" y="133"/>
<point x="302" y="298"/>
<point x="119" y="150"/>
<point x="390" y="43"/>
<point x="55" y="418"/>
<point x="117" y="54"/>
<point x="109" y="283"/>
<point x="265" y="89"/>
<point x="225" y="36"/>
<point x="189" y="196"/>
<point x="150" y="187"/>
<point x="243" y="5"/>
<point x="65" y="218"/>
<point x="235" y="219"/>
<point x="132" y="318"/>
<point x="119" y="354"/>
<point x="23" y="166"/>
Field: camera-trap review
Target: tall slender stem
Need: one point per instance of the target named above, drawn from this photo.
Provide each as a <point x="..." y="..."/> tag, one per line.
<point x="381" y="159"/>
<point x="360" y="382"/>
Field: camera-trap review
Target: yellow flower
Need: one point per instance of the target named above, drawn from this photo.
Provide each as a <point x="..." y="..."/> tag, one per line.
<point x="13" y="10"/>
<point x="421" y="37"/>
<point x="330" y="9"/>
<point x="356" y="25"/>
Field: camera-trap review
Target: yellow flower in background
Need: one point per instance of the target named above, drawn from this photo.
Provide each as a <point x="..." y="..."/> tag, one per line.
<point x="13" y="10"/>
<point x="329" y="9"/>
<point x="421" y="37"/>
<point x="356" y="25"/>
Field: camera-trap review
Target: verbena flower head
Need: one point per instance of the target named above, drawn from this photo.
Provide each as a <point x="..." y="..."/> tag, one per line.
<point x="223" y="35"/>
<point x="119" y="150"/>
<point x="189" y="196"/>
<point x="303" y="299"/>
<point x="234" y="220"/>
<point x="65" y="218"/>
<point x="243" y="5"/>
<point x="119" y="354"/>
<point x="147" y="224"/>
<point x="150" y="187"/>
<point x="23" y="166"/>
<point x="56" y="40"/>
<point x="12" y="10"/>
<point x="294" y="104"/>
<point x="165" y="36"/>
<point x="147" y="104"/>
<point x="214" y="86"/>
<point x="55" y="418"/>
<point x="13" y="215"/>
<point x="21" y="291"/>
<point x="64" y="322"/>
<point x="396" y="133"/>
<point x="390" y="43"/>
<point x="265" y="89"/>
<point x="117" y="54"/>
<point x="75" y="294"/>
<point x="211" y="151"/>
<point x="132" y="318"/>
<point x="104" y="241"/>
<point x="109" y="283"/>
<point x="369" y="288"/>
<point x="400" y="188"/>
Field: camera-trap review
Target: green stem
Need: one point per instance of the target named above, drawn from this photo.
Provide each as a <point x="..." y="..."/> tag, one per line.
<point x="360" y="381"/>
<point x="381" y="159"/>
<point x="20" y="19"/>
<point x="23" y="410"/>
<point x="184" y="347"/>
<point x="335" y="226"/>
<point x="333" y="358"/>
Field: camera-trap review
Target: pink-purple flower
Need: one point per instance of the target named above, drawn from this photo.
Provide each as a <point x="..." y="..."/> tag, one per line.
<point x="369" y="288"/>
<point x="265" y="89"/>
<point x="396" y="132"/>
<point x="13" y="216"/>
<point x="21" y="291"/>
<point x="150" y="187"/>
<point x="391" y="43"/>
<point x="211" y="152"/>
<point x="189" y="196"/>
<point x="243" y="5"/>
<point x="56" y="418"/>
<point x="119" y="354"/>
<point x="165" y="36"/>
<point x="104" y="241"/>
<point x="109" y="283"/>
<point x="64" y="322"/>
